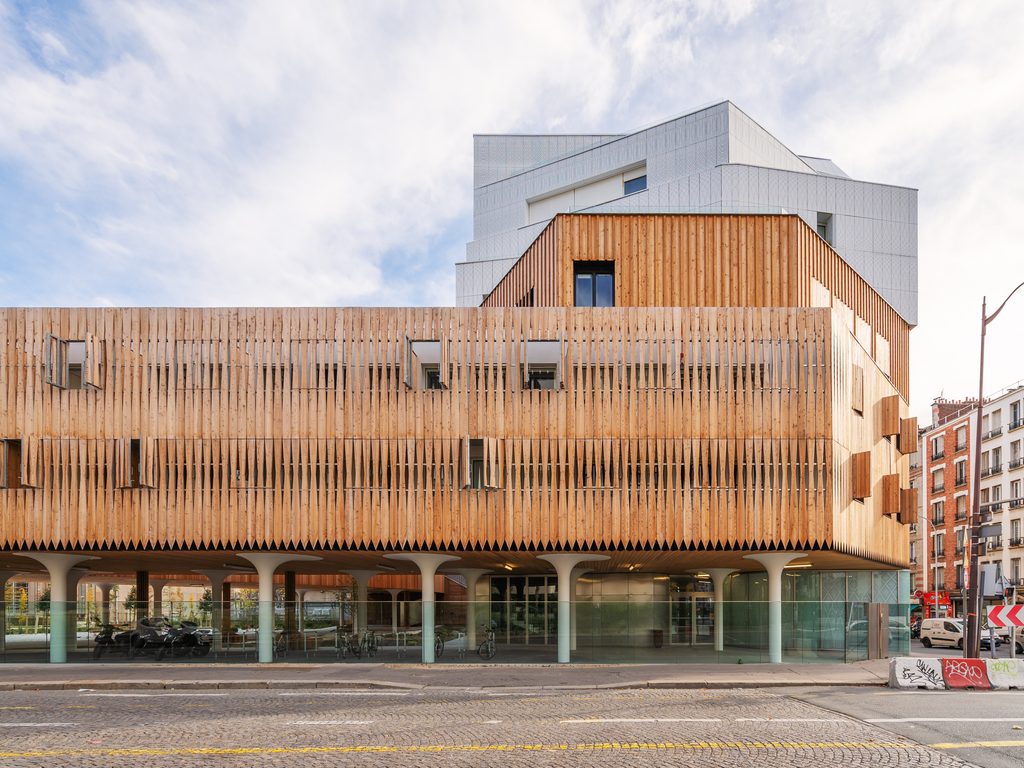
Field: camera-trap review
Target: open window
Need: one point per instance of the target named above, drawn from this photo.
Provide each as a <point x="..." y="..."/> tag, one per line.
<point x="136" y="460"/>
<point x="542" y="364"/>
<point x="19" y="463"/>
<point x="10" y="470"/>
<point x="74" y="364"/>
<point x="427" y="364"/>
<point x="481" y="463"/>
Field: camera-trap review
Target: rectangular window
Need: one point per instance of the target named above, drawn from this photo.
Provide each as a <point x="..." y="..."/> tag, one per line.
<point x="427" y="363"/>
<point x="594" y="283"/>
<point x="938" y="447"/>
<point x="825" y="227"/>
<point x="639" y="184"/>
<point x="10" y="469"/>
<point x="73" y="364"/>
<point x="961" y="438"/>
<point x="961" y="507"/>
<point x="542" y="362"/>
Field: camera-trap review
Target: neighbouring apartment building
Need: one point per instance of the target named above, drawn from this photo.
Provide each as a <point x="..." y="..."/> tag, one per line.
<point x="947" y="449"/>
<point x="661" y="436"/>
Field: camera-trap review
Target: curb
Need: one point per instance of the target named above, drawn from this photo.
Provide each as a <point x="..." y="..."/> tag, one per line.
<point x="158" y="685"/>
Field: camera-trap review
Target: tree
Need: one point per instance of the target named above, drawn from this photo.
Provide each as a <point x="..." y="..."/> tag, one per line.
<point x="206" y="602"/>
<point x="43" y="603"/>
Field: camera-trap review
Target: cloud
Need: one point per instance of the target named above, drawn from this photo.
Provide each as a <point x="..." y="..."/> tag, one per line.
<point x="320" y="153"/>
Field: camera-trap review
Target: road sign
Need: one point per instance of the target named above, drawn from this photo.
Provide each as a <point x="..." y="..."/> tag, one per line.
<point x="1006" y="616"/>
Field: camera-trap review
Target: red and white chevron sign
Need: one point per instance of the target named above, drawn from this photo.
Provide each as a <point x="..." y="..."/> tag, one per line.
<point x="1006" y="616"/>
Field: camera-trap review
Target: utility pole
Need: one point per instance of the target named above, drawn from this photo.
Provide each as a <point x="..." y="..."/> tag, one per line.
<point x="972" y="646"/>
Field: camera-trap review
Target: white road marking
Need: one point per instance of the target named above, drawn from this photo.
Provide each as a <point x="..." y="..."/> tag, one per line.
<point x="643" y="720"/>
<point x="330" y="722"/>
<point x="35" y="725"/>
<point x="490" y="722"/>
<point x="344" y="693"/>
<point x="791" y="720"/>
<point x="946" y="720"/>
<point x="149" y="695"/>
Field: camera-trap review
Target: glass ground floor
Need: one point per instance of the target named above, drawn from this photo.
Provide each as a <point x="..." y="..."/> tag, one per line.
<point x="715" y="615"/>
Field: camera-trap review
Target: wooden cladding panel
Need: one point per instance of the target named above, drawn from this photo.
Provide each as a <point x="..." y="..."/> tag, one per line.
<point x="860" y="474"/>
<point x="909" y="506"/>
<point x="857" y="388"/>
<point x="908" y="435"/>
<point x="890" y="494"/>
<point x="706" y="260"/>
<point x="672" y="428"/>
<point x="889" y="415"/>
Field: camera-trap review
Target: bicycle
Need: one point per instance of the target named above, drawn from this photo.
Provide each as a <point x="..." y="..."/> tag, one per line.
<point x="438" y="646"/>
<point x="368" y="644"/>
<point x="348" y="644"/>
<point x="487" y="648"/>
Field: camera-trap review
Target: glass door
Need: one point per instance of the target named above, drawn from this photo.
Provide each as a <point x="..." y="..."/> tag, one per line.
<point x="691" y="620"/>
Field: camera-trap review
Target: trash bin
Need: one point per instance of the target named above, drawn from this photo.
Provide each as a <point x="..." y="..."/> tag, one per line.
<point x="657" y="637"/>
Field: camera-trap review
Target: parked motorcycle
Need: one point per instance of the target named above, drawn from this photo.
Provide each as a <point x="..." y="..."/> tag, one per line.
<point x="149" y="638"/>
<point x="185" y="640"/>
<point x="111" y="639"/>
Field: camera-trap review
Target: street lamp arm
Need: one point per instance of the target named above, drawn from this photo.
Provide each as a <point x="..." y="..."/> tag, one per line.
<point x="992" y="317"/>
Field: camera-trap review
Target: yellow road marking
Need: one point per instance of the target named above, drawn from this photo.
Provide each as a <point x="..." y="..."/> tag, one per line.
<point x="381" y="748"/>
<point x="977" y="744"/>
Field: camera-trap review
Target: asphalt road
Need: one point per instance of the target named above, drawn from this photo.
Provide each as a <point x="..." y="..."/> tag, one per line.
<point x="984" y="728"/>
<point x="457" y="727"/>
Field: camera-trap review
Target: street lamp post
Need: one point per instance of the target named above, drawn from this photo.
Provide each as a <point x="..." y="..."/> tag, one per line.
<point x="972" y="648"/>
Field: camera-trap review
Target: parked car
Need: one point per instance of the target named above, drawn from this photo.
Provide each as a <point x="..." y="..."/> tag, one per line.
<point x="948" y="632"/>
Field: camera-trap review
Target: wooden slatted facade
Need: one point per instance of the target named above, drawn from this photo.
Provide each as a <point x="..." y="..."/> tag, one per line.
<point x="711" y="410"/>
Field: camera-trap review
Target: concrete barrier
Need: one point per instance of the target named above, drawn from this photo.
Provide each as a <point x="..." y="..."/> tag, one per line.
<point x="1006" y="673"/>
<point x="905" y="672"/>
<point x="965" y="673"/>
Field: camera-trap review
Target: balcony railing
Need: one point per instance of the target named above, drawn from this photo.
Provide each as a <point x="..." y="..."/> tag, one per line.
<point x="913" y="560"/>
<point x="959" y="550"/>
<point x="1016" y="541"/>
<point x="992" y="433"/>
<point x="994" y="545"/>
<point x="1015" y="503"/>
<point x="960" y="515"/>
<point x="1014" y="463"/>
<point x="936" y="455"/>
<point x="994" y="469"/>
<point x="961" y="481"/>
<point x="938" y="487"/>
<point x="941" y="552"/>
<point x="995" y="506"/>
<point x="938" y="519"/>
<point x="1016" y="424"/>
<point x="961" y="447"/>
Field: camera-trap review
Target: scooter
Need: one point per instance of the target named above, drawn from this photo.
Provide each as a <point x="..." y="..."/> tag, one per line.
<point x="184" y="640"/>
<point x="150" y="637"/>
<point x="111" y="639"/>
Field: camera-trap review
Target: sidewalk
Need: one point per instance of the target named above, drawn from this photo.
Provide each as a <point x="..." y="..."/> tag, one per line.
<point x="417" y="676"/>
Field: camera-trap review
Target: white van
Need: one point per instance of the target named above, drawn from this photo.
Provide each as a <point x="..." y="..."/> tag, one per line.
<point x="947" y="632"/>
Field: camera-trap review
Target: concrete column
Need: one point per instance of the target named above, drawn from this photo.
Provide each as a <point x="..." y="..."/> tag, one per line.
<point x="58" y="565"/>
<point x="564" y="564"/>
<point x="362" y="592"/>
<point x="428" y="563"/>
<point x="718" y="576"/>
<point x="157" y="585"/>
<point x="773" y="563"/>
<point x="300" y="609"/>
<point x="217" y="591"/>
<point x="266" y="563"/>
<point x="4" y="578"/>
<point x="225" y="627"/>
<point x="472" y="577"/>
<point x="141" y="594"/>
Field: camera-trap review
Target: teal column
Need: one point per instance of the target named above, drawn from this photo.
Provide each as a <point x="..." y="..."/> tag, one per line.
<point x="773" y="563"/>
<point x="564" y="564"/>
<point x="58" y="565"/>
<point x="266" y="563"/>
<point x="428" y="563"/>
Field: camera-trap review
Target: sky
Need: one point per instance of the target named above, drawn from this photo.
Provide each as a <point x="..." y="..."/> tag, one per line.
<point x="320" y="153"/>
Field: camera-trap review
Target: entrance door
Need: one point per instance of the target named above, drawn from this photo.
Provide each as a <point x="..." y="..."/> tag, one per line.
<point x="691" y="620"/>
